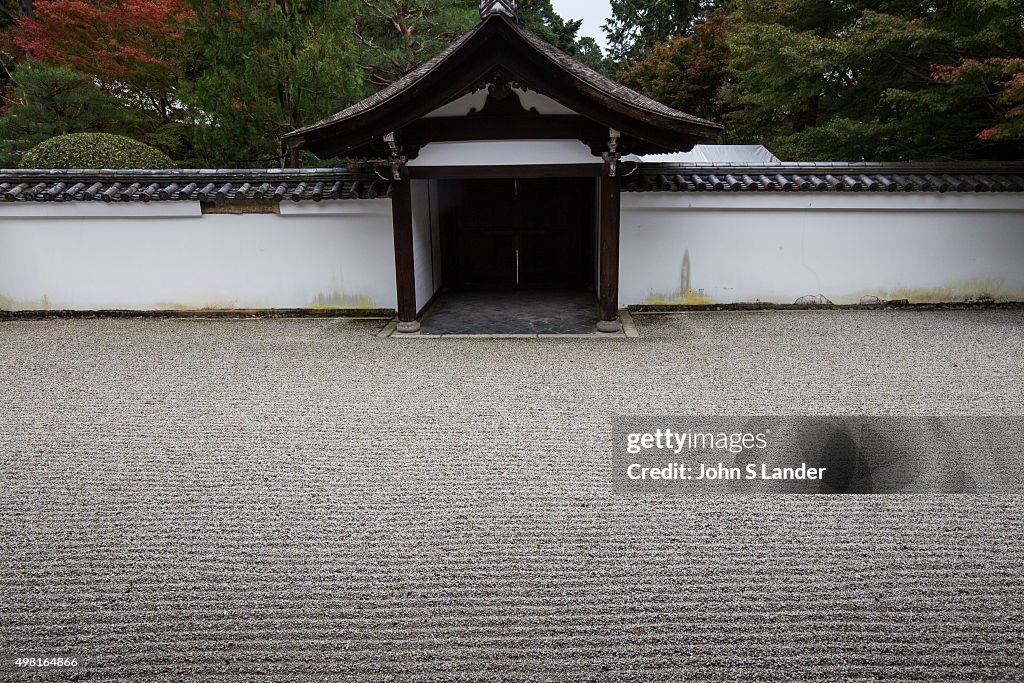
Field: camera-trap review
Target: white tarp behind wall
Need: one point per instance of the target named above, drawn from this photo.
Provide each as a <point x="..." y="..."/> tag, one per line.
<point x="716" y="154"/>
<point x="167" y="255"/>
<point x="777" y="247"/>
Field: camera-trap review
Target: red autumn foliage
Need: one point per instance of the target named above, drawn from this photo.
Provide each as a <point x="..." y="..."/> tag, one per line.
<point x="124" y="44"/>
<point x="1006" y="74"/>
<point x="686" y="72"/>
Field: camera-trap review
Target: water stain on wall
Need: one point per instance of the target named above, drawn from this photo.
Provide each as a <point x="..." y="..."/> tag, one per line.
<point x="685" y="295"/>
<point x="10" y="304"/>
<point x="337" y="299"/>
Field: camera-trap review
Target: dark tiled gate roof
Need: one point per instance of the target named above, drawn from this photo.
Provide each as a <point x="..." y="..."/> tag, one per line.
<point x="500" y="51"/>
<point x="323" y="184"/>
<point x="580" y="71"/>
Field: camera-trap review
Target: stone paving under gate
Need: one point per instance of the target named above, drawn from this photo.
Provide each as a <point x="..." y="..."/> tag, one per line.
<point x="511" y="312"/>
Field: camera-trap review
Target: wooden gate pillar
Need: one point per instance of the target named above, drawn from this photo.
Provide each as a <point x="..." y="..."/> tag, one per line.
<point x="405" y="267"/>
<point x="608" y="245"/>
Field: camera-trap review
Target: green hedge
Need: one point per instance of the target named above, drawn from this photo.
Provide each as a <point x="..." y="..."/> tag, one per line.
<point x="94" y="150"/>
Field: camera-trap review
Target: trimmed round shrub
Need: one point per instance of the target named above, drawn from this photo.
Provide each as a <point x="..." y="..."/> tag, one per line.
<point x="94" y="150"/>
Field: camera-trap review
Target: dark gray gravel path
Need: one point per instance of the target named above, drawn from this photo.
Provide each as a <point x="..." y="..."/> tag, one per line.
<point x="301" y="500"/>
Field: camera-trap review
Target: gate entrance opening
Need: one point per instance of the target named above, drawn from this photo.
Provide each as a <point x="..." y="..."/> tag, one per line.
<point x="518" y="234"/>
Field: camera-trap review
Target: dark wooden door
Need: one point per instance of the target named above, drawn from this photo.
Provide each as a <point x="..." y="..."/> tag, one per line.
<point x="535" y="233"/>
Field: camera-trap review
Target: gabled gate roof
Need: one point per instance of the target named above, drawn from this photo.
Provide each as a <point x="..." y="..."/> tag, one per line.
<point x="500" y="51"/>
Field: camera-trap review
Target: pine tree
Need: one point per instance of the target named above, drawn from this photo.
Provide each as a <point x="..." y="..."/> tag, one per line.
<point x="45" y="101"/>
<point x="399" y="35"/>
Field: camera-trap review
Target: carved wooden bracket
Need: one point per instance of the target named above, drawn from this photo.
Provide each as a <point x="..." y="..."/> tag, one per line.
<point x="611" y="157"/>
<point x="396" y="160"/>
<point x="503" y="100"/>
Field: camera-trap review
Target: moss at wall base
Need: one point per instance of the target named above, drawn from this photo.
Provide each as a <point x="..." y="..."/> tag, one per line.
<point x="767" y="306"/>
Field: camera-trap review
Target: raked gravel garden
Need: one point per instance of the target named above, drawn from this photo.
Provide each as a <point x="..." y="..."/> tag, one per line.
<point x="302" y="500"/>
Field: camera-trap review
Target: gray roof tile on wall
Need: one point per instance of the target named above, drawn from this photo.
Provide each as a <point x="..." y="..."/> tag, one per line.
<point x="190" y="185"/>
<point x="325" y="184"/>
<point x="825" y="177"/>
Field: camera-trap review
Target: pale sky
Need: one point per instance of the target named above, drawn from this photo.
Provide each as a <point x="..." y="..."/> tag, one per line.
<point x="592" y="12"/>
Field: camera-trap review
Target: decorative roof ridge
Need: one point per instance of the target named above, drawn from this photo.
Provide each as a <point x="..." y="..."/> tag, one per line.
<point x="489" y="7"/>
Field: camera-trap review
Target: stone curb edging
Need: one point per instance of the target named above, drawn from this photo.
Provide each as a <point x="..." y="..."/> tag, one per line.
<point x="629" y="331"/>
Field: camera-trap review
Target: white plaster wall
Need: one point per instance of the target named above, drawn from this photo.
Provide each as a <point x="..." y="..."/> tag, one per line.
<point x="738" y="247"/>
<point x="778" y="247"/>
<point x="168" y="256"/>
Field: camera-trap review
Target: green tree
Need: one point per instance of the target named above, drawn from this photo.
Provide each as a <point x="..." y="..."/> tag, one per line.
<point x="637" y="26"/>
<point x="399" y="35"/>
<point x="854" y="80"/>
<point x="541" y="19"/>
<point x="265" y="68"/>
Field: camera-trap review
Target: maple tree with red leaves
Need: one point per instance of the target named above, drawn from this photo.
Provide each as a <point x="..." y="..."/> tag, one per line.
<point x="1003" y="74"/>
<point x="134" y="49"/>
